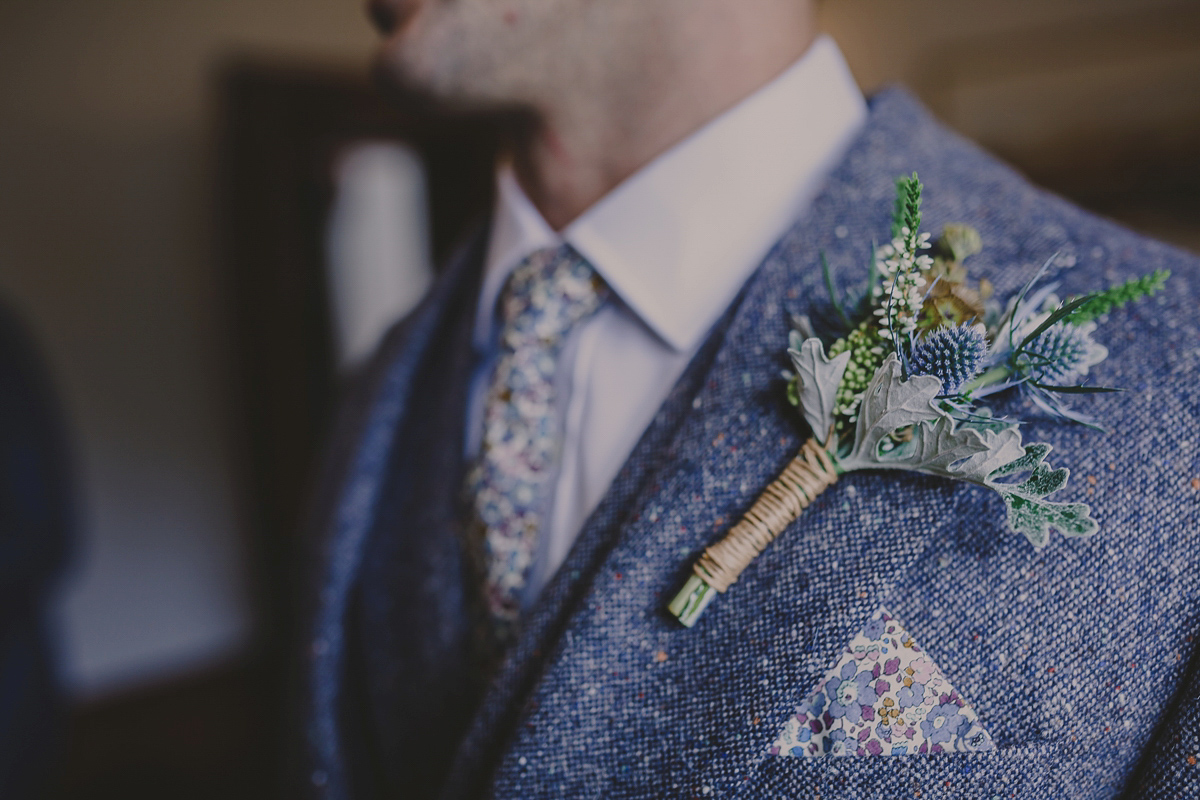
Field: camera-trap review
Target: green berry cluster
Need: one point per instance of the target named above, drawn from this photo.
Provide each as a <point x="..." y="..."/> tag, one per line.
<point x="867" y="350"/>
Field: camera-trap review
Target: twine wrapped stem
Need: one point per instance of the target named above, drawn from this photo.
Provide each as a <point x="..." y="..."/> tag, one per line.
<point x="811" y="472"/>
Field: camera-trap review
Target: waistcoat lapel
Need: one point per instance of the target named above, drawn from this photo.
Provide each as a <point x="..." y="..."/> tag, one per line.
<point x="602" y="678"/>
<point x="391" y="567"/>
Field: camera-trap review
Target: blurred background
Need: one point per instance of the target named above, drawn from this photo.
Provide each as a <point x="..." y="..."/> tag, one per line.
<point x="208" y="215"/>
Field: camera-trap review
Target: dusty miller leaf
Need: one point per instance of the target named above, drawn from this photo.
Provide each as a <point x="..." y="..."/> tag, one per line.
<point x="999" y="447"/>
<point x="888" y="404"/>
<point x="981" y="453"/>
<point x="939" y="444"/>
<point x="1028" y="512"/>
<point x="819" y="378"/>
<point x="947" y="448"/>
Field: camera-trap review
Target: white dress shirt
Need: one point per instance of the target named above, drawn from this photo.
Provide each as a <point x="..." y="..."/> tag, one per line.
<point x="676" y="241"/>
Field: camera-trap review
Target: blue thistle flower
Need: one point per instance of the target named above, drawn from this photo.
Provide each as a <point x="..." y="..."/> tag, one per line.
<point x="952" y="355"/>
<point x="1062" y="354"/>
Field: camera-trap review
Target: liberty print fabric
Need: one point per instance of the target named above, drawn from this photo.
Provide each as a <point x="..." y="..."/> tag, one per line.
<point x="884" y="697"/>
<point x="544" y="298"/>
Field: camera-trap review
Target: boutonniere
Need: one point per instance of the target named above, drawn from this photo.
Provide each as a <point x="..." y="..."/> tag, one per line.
<point x="899" y="380"/>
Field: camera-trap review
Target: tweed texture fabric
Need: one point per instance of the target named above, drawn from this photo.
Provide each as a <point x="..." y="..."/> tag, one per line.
<point x="1078" y="659"/>
<point x="544" y="299"/>
<point x="394" y="573"/>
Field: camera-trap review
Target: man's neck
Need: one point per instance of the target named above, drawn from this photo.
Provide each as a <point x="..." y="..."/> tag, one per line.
<point x="578" y="151"/>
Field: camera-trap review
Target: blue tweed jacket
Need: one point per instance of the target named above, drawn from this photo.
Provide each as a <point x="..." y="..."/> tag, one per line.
<point x="1079" y="659"/>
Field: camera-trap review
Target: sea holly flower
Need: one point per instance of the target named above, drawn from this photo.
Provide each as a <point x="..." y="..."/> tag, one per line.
<point x="1062" y="354"/>
<point x="952" y="355"/>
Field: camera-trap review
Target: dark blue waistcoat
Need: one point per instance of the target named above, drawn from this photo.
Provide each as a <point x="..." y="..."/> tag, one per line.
<point x="1078" y="658"/>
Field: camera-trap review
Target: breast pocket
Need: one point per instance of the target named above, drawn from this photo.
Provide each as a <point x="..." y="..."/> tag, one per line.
<point x="885" y="721"/>
<point x="1036" y="770"/>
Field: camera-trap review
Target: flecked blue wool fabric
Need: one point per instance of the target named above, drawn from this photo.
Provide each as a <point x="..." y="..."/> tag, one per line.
<point x="1079" y="659"/>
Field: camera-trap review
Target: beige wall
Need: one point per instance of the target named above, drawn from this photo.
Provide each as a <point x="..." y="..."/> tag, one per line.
<point x="890" y="39"/>
<point x="1096" y="98"/>
<point x="106" y="240"/>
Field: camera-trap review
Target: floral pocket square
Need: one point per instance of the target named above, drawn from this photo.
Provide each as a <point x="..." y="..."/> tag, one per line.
<point x="885" y="696"/>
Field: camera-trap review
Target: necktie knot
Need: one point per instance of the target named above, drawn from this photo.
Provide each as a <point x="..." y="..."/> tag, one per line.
<point x="546" y="295"/>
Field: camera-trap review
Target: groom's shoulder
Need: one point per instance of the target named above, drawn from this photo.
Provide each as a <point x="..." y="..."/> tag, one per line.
<point x="1141" y="473"/>
<point x="1018" y="220"/>
<point x="1022" y="226"/>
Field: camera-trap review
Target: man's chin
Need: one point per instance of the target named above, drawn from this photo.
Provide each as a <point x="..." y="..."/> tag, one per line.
<point x="409" y="94"/>
<point x="418" y="99"/>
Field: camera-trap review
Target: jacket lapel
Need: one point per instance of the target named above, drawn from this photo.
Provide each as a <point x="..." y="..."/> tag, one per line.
<point x="602" y="677"/>
<point x="420" y="679"/>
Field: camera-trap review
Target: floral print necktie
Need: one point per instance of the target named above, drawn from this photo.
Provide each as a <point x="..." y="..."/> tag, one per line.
<point x="510" y="483"/>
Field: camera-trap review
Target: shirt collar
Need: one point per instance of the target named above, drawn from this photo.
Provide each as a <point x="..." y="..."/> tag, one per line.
<point x="678" y="239"/>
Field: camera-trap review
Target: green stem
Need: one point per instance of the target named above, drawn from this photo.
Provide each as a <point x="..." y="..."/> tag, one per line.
<point x="692" y="599"/>
<point x="996" y="374"/>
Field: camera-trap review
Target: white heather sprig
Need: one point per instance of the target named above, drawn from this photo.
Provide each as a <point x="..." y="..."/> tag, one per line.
<point x="900" y="292"/>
